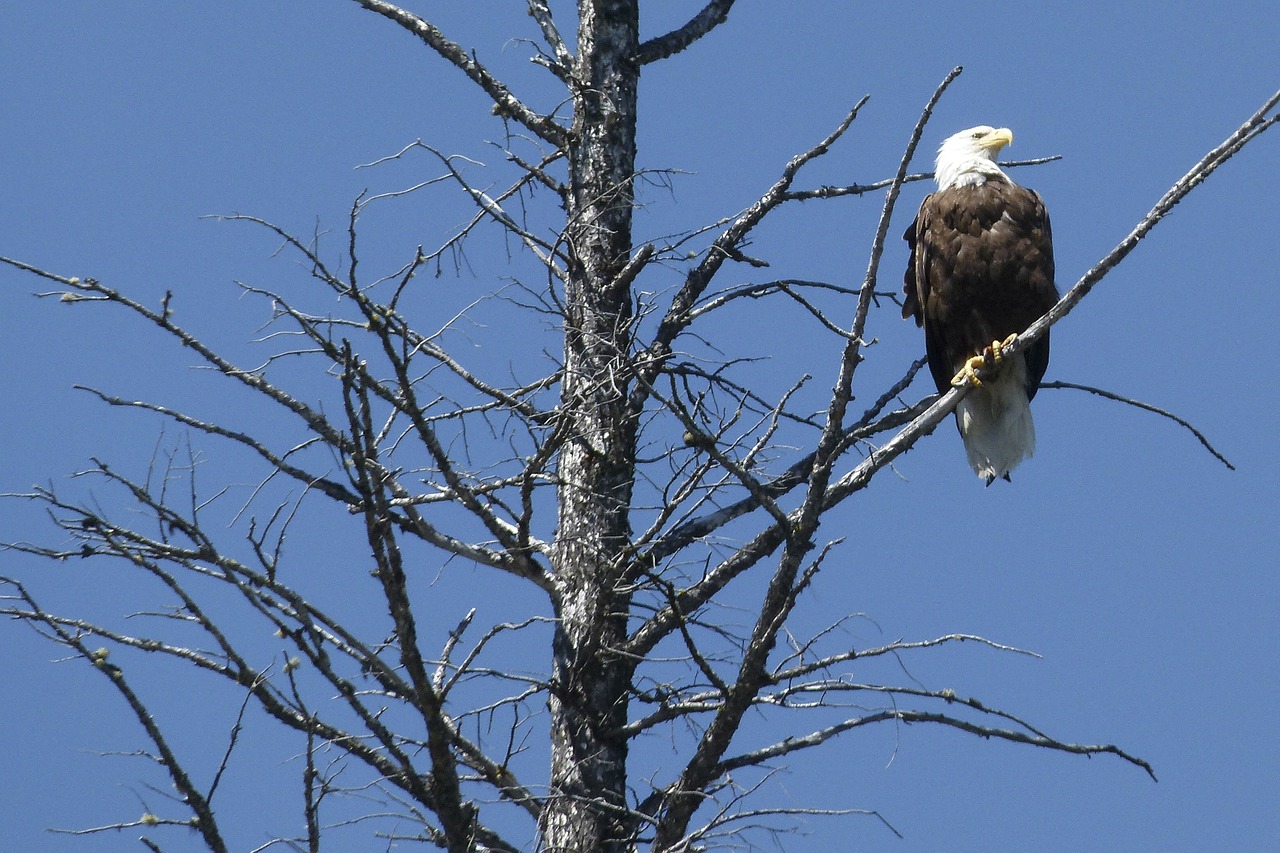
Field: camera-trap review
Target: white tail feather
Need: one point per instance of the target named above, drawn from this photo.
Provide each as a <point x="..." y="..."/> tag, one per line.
<point x="995" y="421"/>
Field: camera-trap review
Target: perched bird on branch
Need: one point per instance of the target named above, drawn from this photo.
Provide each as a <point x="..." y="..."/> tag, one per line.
<point x="981" y="271"/>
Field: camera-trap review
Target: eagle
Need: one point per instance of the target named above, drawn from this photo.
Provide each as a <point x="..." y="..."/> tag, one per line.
<point x="981" y="272"/>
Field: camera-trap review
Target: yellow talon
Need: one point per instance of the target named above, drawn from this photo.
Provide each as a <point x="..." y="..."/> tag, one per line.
<point x="994" y="354"/>
<point x="970" y="372"/>
<point x="989" y="358"/>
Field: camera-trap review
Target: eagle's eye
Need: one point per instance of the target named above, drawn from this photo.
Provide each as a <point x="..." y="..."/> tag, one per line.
<point x="978" y="134"/>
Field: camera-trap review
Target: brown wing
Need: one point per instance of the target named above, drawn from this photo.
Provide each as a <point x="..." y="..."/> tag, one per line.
<point x="981" y="269"/>
<point x="910" y="285"/>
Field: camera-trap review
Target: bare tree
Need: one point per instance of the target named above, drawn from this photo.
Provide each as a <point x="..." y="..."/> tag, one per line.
<point x="626" y="475"/>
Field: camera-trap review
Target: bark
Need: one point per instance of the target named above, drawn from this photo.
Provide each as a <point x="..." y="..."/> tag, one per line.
<point x="587" y="807"/>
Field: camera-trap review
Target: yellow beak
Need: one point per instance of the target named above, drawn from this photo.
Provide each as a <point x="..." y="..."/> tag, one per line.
<point x="998" y="139"/>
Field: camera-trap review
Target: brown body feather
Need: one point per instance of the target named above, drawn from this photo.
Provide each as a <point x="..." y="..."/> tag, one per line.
<point x="981" y="269"/>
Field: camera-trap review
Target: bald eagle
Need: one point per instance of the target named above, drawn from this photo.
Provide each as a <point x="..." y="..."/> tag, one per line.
<point x="981" y="271"/>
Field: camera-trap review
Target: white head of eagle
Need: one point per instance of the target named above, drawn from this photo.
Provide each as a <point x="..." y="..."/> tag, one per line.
<point x="968" y="158"/>
<point x="981" y="271"/>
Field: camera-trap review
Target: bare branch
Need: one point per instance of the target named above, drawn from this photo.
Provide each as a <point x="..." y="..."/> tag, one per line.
<point x="908" y="717"/>
<point x="715" y="13"/>
<point x="456" y="814"/>
<point x="683" y="796"/>
<point x="279" y="462"/>
<point x="787" y="672"/>
<point x="863" y="189"/>
<point x="541" y="13"/>
<point x="392" y="329"/>
<point x="505" y="102"/>
<point x="681" y="536"/>
<point x="789" y="288"/>
<point x="724" y="247"/>
<point x="1251" y="129"/>
<point x="853" y="349"/>
<point x="203" y="820"/>
<point x="313" y="419"/>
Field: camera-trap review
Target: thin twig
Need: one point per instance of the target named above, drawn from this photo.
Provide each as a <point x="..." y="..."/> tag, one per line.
<point x="1146" y="407"/>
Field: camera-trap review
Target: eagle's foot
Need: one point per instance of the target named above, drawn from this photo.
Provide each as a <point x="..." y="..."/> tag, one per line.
<point x="969" y="373"/>
<point x="997" y="347"/>
<point x="994" y="354"/>
<point x="989" y="359"/>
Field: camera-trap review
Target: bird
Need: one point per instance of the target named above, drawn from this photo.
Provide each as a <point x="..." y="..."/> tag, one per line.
<point x="980" y="272"/>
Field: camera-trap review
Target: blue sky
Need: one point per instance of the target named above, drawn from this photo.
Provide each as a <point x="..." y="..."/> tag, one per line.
<point x="1141" y="569"/>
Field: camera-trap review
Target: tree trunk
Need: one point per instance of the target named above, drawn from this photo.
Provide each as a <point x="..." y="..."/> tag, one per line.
<point x="588" y="704"/>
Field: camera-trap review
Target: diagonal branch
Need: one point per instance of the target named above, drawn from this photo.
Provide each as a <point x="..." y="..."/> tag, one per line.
<point x="505" y="102"/>
<point x="678" y="315"/>
<point x="1253" y="127"/>
<point x="456" y="814"/>
<point x="853" y="349"/>
<point x="684" y="796"/>
<point x="541" y="12"/>
<point x="278" y="462"/>
<point x="715" y="13"/>
<point x="832" y="445"/>
<point x="203" y="820"/>
<point x="681" y="536"/>
<point x="97" y="291"/>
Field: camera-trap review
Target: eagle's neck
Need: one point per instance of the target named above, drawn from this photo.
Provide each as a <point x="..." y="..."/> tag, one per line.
<point x="968" y="173"/>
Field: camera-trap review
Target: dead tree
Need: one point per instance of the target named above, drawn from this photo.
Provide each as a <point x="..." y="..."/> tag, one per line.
<point x="626" y="483"/>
